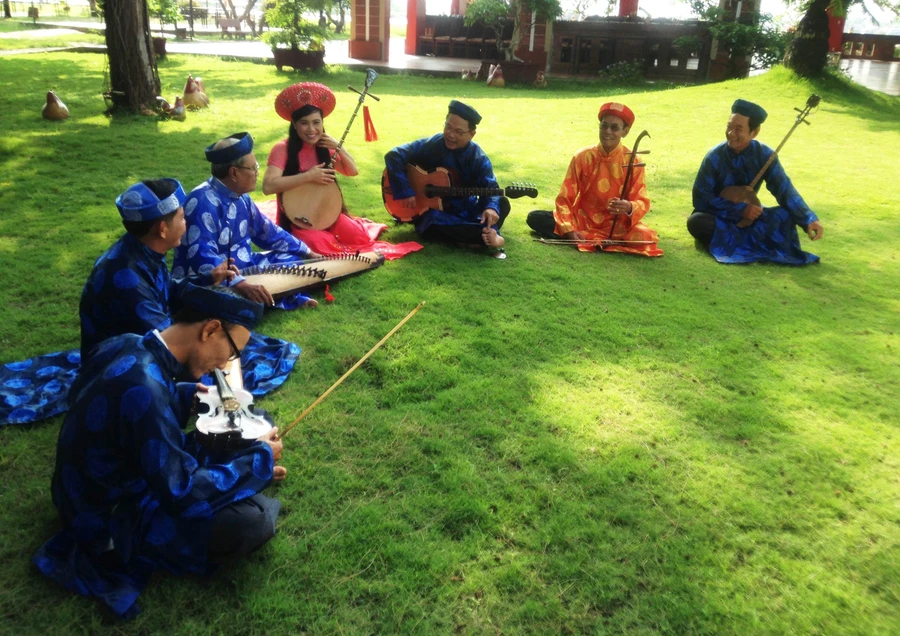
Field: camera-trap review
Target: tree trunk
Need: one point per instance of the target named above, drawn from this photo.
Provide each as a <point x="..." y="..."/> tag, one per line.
<point x="133" y="78"/>
<point x="6" y="10"/>
<point x="247" y="9"/>
<point x="808" y="51"/>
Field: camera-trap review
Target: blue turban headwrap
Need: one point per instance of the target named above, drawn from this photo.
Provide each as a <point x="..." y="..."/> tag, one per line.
<point x="139" y="203"/>
<point x="227" y="306"/>
<point x="465" y="111"/>
<point x="754" y="112"/>
<point x="244" y="146"/>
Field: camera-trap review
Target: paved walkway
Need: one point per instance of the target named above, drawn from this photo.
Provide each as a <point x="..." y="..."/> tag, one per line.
<point x="336" y="51"/>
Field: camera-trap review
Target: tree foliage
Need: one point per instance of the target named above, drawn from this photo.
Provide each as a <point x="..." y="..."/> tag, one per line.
<point x="496" y="15"/>
<point x="753" y="38"/>
<point x="295" y="32"/>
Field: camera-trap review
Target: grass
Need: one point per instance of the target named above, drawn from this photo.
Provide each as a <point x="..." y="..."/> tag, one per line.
<point x="558" y="442"/>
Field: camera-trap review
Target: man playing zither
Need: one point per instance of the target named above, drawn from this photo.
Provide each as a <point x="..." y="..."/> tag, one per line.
<point x="223" y="223"/>
<point x="470" y="220"/>
<point x="591" y="208"/>
<point x="744" y="232"/>
<point x="134" y="493"/>
<point x="128" y="290"/>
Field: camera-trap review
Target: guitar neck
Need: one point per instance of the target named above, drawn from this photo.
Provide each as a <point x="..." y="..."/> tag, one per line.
<point x="464" y="192"/>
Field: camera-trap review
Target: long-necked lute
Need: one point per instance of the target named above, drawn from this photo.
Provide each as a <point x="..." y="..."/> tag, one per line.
<point x="431" y="186"/>
<point x="748" y="193"/>
<point x="281" y="280"/>
<point x="316" y="206"/>
<point x="629" y="173"/>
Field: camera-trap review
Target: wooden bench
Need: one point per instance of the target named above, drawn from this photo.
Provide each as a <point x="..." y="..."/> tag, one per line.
<point x="229" y="23"/>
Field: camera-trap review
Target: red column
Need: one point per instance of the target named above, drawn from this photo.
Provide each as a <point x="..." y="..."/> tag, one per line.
<point x="370" y="38"/>
<point x="415" y="22"/>
<point x="454" y="7"/>
<point x="628" y="8"/>
<point x="836" y="30"/>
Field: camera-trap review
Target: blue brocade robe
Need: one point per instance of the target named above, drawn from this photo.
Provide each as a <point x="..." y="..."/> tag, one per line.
<point x="133" y="492"/>
<point x="468" y="167"/>
<point x="128" y="291"/>
<point x="773" y="236"/>
<point x="221" y="222"/>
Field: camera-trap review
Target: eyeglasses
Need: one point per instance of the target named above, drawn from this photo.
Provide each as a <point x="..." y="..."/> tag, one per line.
<point x="253" y="168"/>
<point x="458" y="132"/>
<point x="237" y="352"/>
<point x="611" y="127"/>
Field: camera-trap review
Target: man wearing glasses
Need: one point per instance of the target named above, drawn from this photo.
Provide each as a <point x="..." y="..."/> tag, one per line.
<point x="134" y="493"/>
<point x="468" y="220"/>
<point x="223" y="223"/>
<point x="590" y="207"/>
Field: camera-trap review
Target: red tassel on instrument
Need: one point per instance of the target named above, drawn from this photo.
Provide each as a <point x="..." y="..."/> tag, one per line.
<point x="328" y="297"/>
<point x="371" y="135"/>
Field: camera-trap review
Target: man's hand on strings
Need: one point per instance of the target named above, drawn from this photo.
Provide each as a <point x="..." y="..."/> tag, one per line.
<point x="226" y="270"/>
<point x="256" y="293"/>
<point x="751" y="213"/>
<point x="320" y="175"/>
<point x="409" y="203"/>
<point x="619" y="206"/>
<point x="815" y="230"/>
<point x="489" y="217"/>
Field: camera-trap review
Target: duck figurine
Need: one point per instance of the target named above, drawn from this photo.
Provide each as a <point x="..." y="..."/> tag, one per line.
<point x="495" y="77"/>
<point x="469" y="76"/>
<point x="194" y="94"/>
<point x="54" y="109"/>
<point x="540" y="81"/>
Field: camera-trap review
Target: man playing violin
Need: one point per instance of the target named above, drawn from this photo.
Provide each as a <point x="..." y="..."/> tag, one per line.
<point x="134" y="493"/>
<point x="590" y="207"/>
<point x="469" y="220"/>
<point x="740" y="231"/>
<point x="224" y="223"/>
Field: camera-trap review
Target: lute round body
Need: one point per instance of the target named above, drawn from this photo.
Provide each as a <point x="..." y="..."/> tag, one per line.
<point x="313" y="206"/>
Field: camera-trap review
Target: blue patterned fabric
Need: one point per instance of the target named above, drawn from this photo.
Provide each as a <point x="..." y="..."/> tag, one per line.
<point x="220" y="222"/>
<point x="140" y="203"/>
<point x="127" y="292"/>
<point x="468" y="166"/>
<point x="773" y="236"/>
<point x="133" y="492"/>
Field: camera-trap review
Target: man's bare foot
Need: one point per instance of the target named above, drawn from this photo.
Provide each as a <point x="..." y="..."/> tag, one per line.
<point x="491" y="238"/>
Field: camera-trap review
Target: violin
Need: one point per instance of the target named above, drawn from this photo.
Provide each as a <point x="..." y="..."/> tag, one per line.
<point x="227" y="419"/>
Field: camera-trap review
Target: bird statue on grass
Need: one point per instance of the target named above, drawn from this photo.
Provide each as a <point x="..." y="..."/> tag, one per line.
<point x="540" y="81"/>
<point x="195" y="94"/>
<point x="178" y="110"/>
<point x="495" y="77"/>
<point x="54" y="109"/>
<point x="469" y="76"/>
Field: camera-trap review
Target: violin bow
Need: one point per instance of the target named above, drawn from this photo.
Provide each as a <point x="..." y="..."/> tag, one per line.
<point x="371" y="76"/>
<point x="597" y="242"/>
<point x="352" y="369"/>
<point x="628" y="174"/>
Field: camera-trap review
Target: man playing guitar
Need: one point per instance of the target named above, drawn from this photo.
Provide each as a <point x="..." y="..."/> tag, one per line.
<point x="469" y="220"/>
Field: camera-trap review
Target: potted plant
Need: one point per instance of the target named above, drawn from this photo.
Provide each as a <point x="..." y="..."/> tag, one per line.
<point x="295" y="42"/>
<point x="166" y="11"/>
<point x="508" y="21"/>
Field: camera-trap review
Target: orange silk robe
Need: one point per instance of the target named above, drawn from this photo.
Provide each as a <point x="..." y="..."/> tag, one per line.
<point x="594" y="178"/>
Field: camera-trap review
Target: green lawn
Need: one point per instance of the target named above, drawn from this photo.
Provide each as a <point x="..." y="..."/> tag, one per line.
<point x="557" y="443"/>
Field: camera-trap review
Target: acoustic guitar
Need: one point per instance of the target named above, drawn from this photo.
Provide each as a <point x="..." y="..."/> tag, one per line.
<point x="430" y="187"/>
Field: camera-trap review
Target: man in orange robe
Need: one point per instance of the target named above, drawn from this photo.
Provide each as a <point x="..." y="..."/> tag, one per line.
<point x="589" y="207"/>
